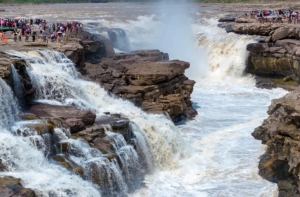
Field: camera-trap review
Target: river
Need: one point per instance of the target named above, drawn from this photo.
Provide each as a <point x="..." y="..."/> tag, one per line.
<point x="221" y="156"/>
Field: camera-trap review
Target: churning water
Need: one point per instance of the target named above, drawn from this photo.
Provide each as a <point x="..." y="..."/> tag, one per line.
<point x="212" y="155"/>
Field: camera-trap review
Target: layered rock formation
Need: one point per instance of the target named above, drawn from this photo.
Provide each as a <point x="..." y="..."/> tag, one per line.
<point x="280" y="132"/>
<point x="157" y="87"/>
<point x="144" y="77"/>
<point x="12" y="187"/>
<point x="82" y="124"/>
<point x="26" y="91"/>
<point x="275" y="58"/>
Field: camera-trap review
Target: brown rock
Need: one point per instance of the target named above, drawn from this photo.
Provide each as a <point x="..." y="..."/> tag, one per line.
<point x="64" y="112"/>
<point x="75" y="124"/>
<point x="155" y="86"/>
<point x="280" y="33"/>
<point x="12" y="187"/>
<point x="73" y="51"/>
<point x="280" y="132"/>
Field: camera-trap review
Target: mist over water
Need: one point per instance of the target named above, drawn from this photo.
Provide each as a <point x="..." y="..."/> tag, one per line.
<point x="215" y="154"/>
<point x="223" y="156"/>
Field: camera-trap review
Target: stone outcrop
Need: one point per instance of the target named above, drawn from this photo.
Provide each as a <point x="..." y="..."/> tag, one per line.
<point x="275" y="58"/>
<point x="12" y="187"/>
<point x="280" y="132"/>
<point x="73" y="118"/>
<point x="6" y="61"/>
<point x="74" y="51"/>
<point x="279" y="58"/>
<point x="145" y="77"/>
<point x="253" y="28"/>
<point x="82" y="124"/>
<point x="274" y="31"/>
<point x="142" y="77"/>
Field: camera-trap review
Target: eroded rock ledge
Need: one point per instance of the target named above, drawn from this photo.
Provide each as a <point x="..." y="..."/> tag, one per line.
<point x="145" y="77"/>
<point x="280" y="132"/>
<point x="155" y="86"/>
<point x="276" y="56"/>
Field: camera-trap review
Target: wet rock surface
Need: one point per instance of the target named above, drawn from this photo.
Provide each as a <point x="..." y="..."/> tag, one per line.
<point x="274" y="60"/>
<point x="72" y="116"/>
<point x="26" y="92"/>
<point x="145" y="77"/>
<point x="276" y="55"/>
<point x="155" y="86"/>
<point x="280" y="132"/>
<point x="12" y="187"/>
<point x="101" y="134"/>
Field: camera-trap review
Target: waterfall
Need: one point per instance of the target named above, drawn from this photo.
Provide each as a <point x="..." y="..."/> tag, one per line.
<point x="226" y="52"/>
<point x="22" y="153"/>
<point x="8" y="105"/>
<point x="17" y="84"/>
<point x="119" y="39"/>
<point x="159" y="143"/>
<point x="56" y="81"/>
<point x="117" y="36"/>
<point x="143" y="151"/>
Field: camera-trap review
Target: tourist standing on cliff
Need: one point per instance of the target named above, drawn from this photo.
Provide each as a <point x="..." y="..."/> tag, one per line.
<point x="20" y="36"/>
<point x="15" y="36"/>
<point x="33" y="36"/>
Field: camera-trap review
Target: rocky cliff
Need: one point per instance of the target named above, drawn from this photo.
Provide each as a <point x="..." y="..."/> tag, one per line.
<point x="146" y="77"/>
<point x="275" y="58"/>
<point x="276" y="55"/>
<point x="280" y="132"/>
<point x="148" y="80"/>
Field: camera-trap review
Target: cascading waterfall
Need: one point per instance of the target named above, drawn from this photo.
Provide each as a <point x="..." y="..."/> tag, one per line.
<point x="143" y="151"/>
<point x="226" y="52"/>
<point x="17" y="84"/>
<point x="23" y="158"/>
<point x="58" y="83"/>
<point x="159" y="142"/>
<point x="223" y="155"/>
<point x="8" y="106"/>
<point x="119" y="39"/>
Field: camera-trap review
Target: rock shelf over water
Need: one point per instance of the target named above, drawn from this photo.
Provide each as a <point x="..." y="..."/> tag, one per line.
<point x="277" y="53"/>
<point x="147" y="77"/>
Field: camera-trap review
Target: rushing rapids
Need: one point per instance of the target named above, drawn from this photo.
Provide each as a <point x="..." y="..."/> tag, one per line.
<point x="54" y="77"/>
<point x="221" y="157"/>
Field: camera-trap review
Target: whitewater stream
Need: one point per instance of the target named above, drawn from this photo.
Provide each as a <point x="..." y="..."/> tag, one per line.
<point x="213" y="155"/>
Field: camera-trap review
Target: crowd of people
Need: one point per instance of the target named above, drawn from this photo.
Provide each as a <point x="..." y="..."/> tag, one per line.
<point x="289" y="16"/>
<point x="24" y="27"/>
